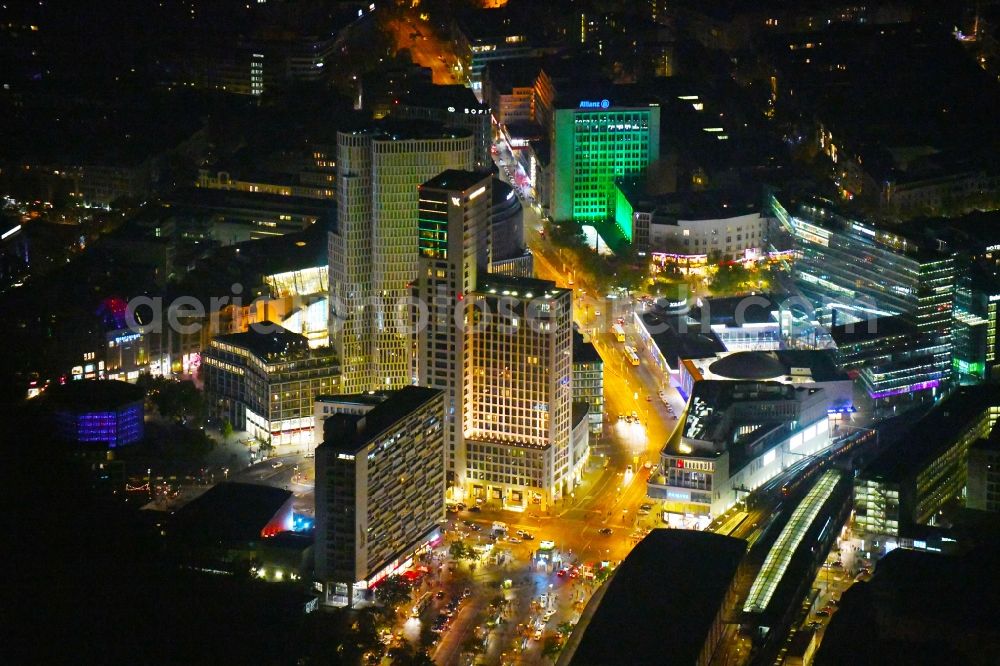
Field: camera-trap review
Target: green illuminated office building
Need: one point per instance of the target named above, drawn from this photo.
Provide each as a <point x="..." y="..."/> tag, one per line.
<point x="595" y="142"/>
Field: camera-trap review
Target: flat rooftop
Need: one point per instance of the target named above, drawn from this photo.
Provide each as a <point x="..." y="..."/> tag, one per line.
<point x="456" y="180"/>
<point x="441" y="97"/>
<point x="203" y="197"/>
<point x="673" y="345"/>
<point x="266" y="345"/>
<point x="371" y="398"/>
<point x="93" y="394"/>
<point x="873" y="329"/>
<point x="494" y="284"/>
<point x="739" y="310"/>
<point x="653" y="610"/>
<point x="352" y="432"/>
<point x="584" y="352"/>
<point x="703" y="205"/>
<point x="231" y="512"/>
<point x="932" y="434"/>
<point x="707" y="418"/>
<point x="396" y="129"/>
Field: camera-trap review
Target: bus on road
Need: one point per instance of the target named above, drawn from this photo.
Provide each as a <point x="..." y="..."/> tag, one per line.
<point x="619" y="332"/>
<point x="633" y="358"/>
<point x="420" y="605"/>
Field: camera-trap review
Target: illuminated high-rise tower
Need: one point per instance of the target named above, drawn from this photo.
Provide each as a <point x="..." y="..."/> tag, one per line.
<point x="373" y="252"/>
<point x="454" y="228"/>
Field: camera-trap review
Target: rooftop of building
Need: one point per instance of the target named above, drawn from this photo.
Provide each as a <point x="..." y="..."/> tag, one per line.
<point x="397" y="129"/>
<point x="958" y="627"/>
<point x="502" y="192"/>
<point x="707" y="419"/>
<point x="650" y="612"/>
<point x="817" y="365"/>
<point x="750" y="365"/>
<point x="990" y="444"/>
<point x="583" y="351"/>
<point x="352" y="432"/>
<point x="672" y="207"/>
<point x="266" y="346"/>
<point x="509" y="285"/>
<point x="456" y="180"/>
<point x="203" y="197"/>
<point x="675" y="345"/>
<point x="371" y="398"/>
<point x="231" y="512"/>
<point x="93" y="394"/>
<point x="739" y="310"/>
<point x="873" y="329"/>
<point x="454" y="98"/>
<point x="824" y="213"/>
<point x="931" y="435"/>
<point x="249" y="262"/>
<point x="582" y="95"/>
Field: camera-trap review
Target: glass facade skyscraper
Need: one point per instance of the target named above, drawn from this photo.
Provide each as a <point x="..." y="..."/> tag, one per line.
<point x="856" y="271"/>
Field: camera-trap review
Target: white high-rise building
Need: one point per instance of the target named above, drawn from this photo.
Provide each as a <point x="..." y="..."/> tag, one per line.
<point x="373" y="252"/>
<point x="379" y="487"/>
<point x="454" y="227"/>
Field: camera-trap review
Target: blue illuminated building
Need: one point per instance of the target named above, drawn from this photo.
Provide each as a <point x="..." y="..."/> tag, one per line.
<point x="109" y="413"/>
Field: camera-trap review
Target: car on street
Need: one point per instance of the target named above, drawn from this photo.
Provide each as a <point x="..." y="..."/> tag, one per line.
<point x="647" y="465"/>
<point x="823" y="613"/>
<point x="277" y="464"/>
<point x="628" y="469"/>
<point x="514" y="540"/>
<point x="439" y="594"/>
<point x="606" y="531"/>
<point x="538" y="634"/>
<point x="646" y="507"/>
<point x="475" y="528"/>
<point x="475" y="509"/>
